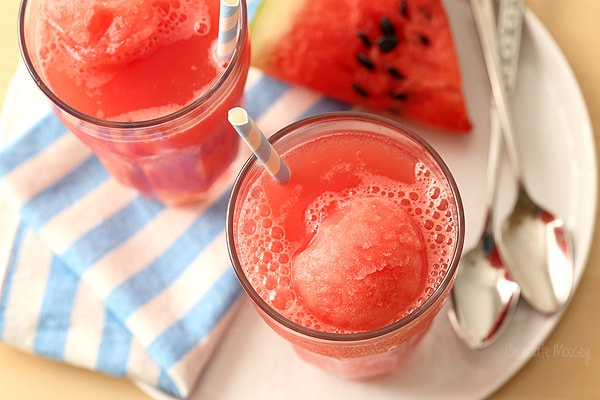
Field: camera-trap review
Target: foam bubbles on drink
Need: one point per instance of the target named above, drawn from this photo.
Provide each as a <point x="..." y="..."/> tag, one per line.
<point x="202" y="26"/>
<point x="269" y="255"/>
<point x="84" y="37"/>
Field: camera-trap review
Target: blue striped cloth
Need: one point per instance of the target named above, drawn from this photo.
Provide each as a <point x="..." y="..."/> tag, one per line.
<point x="102" y="278"/>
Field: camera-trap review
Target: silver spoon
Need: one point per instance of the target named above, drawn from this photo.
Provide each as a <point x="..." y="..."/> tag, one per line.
<point x="533" y="243"/>
<point x="484" y="297"/>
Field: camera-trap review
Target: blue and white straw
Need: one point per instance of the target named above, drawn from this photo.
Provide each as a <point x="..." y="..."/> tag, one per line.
<point x="259" y="144"/>
<point x="228" y="29"/>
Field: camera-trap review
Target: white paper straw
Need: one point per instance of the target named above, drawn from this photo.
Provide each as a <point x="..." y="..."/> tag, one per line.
<point x="259" y="144"/>
<point x="228" y="28"/>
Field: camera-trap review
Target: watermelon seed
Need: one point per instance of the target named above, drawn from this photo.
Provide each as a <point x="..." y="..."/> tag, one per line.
<point x="386" y="26"/>
<point x="359" y="90"/>
<point x="387" y="43"/>
<point x="365" y="39"/>
<point x="395" y="73"/>
<point x="426" y="13"/>
<point x="365" y="61"/>
<point x="423" y="39"/>
<point x="403" y="9"/>
<point x="398" y="96"/>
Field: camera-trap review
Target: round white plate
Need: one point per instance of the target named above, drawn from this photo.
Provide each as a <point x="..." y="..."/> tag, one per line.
<point x="556" y="143"/>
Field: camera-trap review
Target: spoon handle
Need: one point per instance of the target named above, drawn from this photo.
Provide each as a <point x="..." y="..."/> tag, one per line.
<point x="510" y="22"/>
<point x="510" y="19"/>
<point x="483" y="15"/>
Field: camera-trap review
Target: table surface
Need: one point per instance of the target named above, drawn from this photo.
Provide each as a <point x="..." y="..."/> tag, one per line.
<point x="575" y="25"/>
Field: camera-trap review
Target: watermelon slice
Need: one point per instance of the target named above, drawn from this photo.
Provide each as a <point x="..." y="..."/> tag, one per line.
<point x="393" y="55"/>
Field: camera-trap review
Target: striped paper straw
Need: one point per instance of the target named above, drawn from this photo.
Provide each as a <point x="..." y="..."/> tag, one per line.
<point x="258" y="143"/>
<point x="228" y="28"/>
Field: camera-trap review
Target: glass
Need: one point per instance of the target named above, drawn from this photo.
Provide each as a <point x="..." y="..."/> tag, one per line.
<point x="353" y="354"/>
<point x="173" y="156"/>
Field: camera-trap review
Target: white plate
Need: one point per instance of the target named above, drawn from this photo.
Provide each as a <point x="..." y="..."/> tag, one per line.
<point x="556" y="141"/>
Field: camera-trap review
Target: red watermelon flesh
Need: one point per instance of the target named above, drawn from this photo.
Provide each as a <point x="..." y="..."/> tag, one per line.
<point x="393" y="55"/>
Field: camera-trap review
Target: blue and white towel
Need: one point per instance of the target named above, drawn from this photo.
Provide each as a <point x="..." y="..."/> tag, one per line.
<point x="102" y="278"/>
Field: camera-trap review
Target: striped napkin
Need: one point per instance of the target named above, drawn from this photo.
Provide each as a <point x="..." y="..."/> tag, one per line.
<point x="103" y="278"/>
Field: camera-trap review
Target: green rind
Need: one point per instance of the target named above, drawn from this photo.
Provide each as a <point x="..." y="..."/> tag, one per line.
<point x="270" y="24"/>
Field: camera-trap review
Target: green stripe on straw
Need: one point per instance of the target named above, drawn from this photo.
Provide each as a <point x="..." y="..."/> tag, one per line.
<point x="228" y="28"/>
<point x="259" y="144"/>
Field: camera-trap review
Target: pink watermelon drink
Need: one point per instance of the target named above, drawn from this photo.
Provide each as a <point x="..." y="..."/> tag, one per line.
<point x="352" y="258"/>
<point x="138" y="82"/>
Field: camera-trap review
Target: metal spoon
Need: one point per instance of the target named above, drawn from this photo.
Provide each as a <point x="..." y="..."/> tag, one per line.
<point x="533" y="243"/>
<point x="484" y="297"/>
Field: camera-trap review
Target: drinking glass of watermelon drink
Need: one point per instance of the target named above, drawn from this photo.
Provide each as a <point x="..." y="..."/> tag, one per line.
<point x="353" y="257"/>
<point x="138" y="82"/>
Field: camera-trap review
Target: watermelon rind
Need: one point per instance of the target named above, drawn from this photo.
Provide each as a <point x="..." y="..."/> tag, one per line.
<point x="273" y="17"/>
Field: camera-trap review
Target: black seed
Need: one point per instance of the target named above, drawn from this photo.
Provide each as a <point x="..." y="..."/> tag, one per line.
<point x="425" y="13"/>
<point x="386" y="26"/>
<point x="365" y="39"/>
<point x="395" y="73"/>
<point x="387" y="43"/>
<point x="403" y="9"/>
<point x="398" y="96"/>
<point x="423" y="39"/>
<point x="359" y="90"/>
<point x="365" y="61"/>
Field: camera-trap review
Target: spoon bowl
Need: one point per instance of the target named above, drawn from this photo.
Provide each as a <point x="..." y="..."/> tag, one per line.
<point x="538" y="253"/>
<point x="484" y="297"/>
